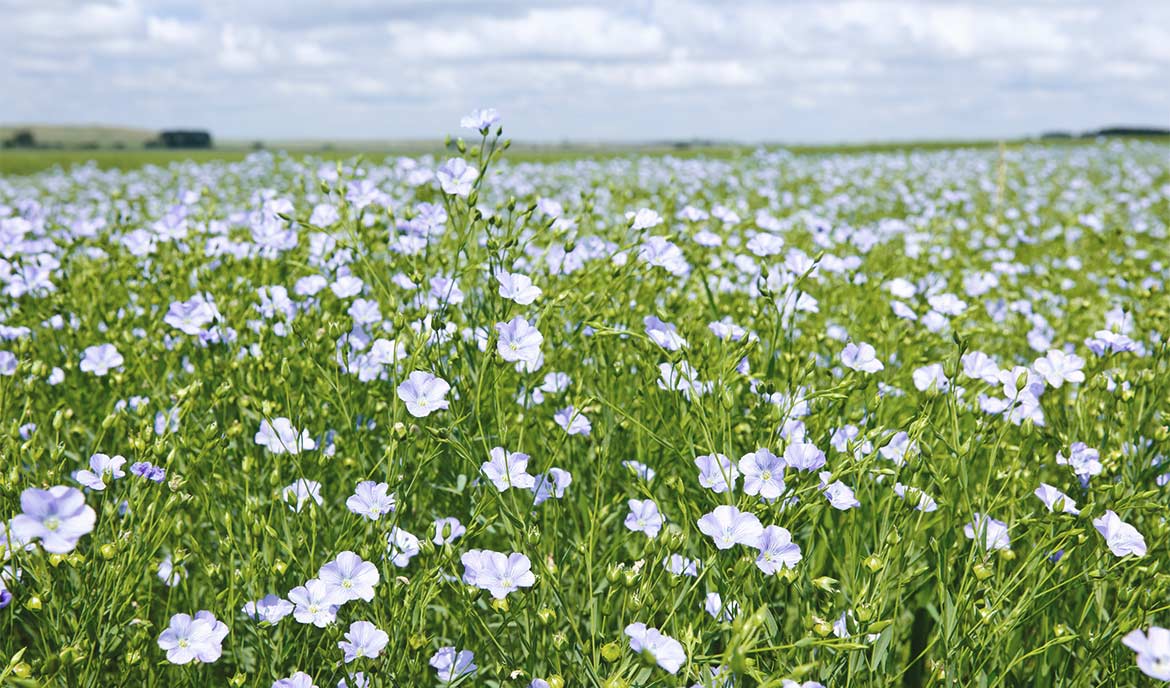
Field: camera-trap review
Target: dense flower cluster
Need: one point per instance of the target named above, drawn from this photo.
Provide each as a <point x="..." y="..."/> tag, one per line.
<point x="776" y="419"/>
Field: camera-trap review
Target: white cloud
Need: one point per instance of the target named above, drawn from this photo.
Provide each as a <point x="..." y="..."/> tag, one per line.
<point x="825" y="70"/>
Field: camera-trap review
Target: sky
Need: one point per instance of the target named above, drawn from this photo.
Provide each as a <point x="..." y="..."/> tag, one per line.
<point x="632" y="70"/>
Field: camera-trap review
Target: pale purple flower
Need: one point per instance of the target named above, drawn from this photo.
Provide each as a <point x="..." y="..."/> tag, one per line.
<point x="101" y="467"/>
<point x="839" y="494"/>
<point x="508" y="469"/>
<point x="371" y="500"/>
<point x="280" y="437"/>
<point x="1153" y="651"/>
<point x="519" y="342"/>
<point x="300" y="493"/>
<point x="573" y="421"/>
<point x="402" y="547"/>
<point x="58" y="517"/>
<point x="777" y="550"/>
<point x="644" y="218"/>
<point x="644" y="517"/>
<point x="447" y="530"/>
<point x="315" y="603"/>
<point x="1050" y="496"/>
<point x="518" y="288"/>
<point x="423" y="393"/>
<point x="804" y="456"/>
<point x="496" y="572"/>
<point x="990" y="533"/>
<point x="667" y="652"/>
<point x="451" y="665"/>
<point x="191" y="316"/>
<point x="1122" y="538"/>
<point x="979" y="366"/>
<point x="1058" y="368"/>
<point x="717" y="473"/>
<point x="198" y="639"/>
<point x="719" y="611"/>
<point x="480" y="120"/>
<point x="898" y="448"/>
<point x="1084" y="460"/>
<point x="728" y="527"/>
<point x="270" y="609"/>
<point x="763" y="474"/>
<point x="663" y="334"/>
<point x="363" y="640"/>
<point x="861" y="357"/>
<point x="931" y="377"/>
<point x="916" y="497"/>
<point x="298" y="680"/>
<point x="456" y="177"/>
<point x="99" y="360"/>
<point x="350" y="577"/>
<point x="551" y="485"/>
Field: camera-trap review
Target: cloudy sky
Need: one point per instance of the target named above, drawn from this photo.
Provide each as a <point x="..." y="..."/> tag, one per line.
<point x="798" y="71"/>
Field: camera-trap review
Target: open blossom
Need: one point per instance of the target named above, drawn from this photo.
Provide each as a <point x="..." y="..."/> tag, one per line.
<point x="916" y="498"/>
<point x="423" y="393"/>
<point x="101" y="468"/>
<point x="519" y="342"/>
<point x="990" y="533"/>
<point x="931" y="377"/>
<point x="191" y="316"/>
<point x="496" y="572"/>
<point x="198" y="639"/>
<point x="763" y="474"/>
<point x="315" y="603"/>
<point x="897" y="449"/>
<point x="839" y="494"/>
<point x="1121" y="538"/>
<point x="451" y="665"/>
<point x="448" y="530"/>
<point x="300" y="493"/>
<point x="371" y="500"/>
<point x="350" y="577"/>
<point x="1058" y="368"/>
<point x="402" y="547"/>
<point x="728" y="527"/>
<point x="804" y="456"/>
<point x="270" y="608"/>
<point x="518" y="288"/>
<point x="777" y="550"/>
<point x="508" y="469"/>
<point x="1084" y="460"/>
<point x="1051" y="496"/>
<point x="573" y="421"/>
<point x="644" y="218"/>
<point x="280" y="437"/>
<point x="480" y="120"/>
<point x="456" y="177"/>
<point x="298" y="680"/>
<point x="363" y="640"/>
<point x="551" y="485"/>
<point x="664" y="334"/>
<point x="58" y="517"/>
<point x="861" y="357"/>
<point x="101" y="359"/>
<point x="644" y="517"/>
<point x="1153" y="651"/>
<point x="667" y="652"/>
<point x="717" y="473"/>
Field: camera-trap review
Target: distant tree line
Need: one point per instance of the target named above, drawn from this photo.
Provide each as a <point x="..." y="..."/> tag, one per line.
<point x="24" y="138"/>
<point x="1108" y="132"/>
